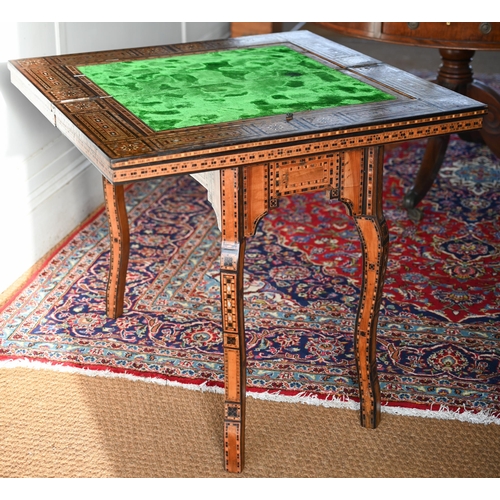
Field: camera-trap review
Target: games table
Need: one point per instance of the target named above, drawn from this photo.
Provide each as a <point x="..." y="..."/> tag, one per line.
<point x="253" y="119"/>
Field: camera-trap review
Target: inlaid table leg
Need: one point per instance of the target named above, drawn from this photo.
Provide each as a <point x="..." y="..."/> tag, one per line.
<point x="231" y="283"/>
<point x="361" y="190"/>
<point x="374" y="240"/>
<point x="119" y="247"/>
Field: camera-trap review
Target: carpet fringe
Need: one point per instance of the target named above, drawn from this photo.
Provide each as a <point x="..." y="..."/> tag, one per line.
<point x="442" y="413"/>
<point x="39" y="365"/>
<point x="305" y="398"/>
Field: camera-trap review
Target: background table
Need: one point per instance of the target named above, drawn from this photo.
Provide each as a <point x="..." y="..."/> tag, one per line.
<point x="457" y="44"/>
<point x="247" y="165"/>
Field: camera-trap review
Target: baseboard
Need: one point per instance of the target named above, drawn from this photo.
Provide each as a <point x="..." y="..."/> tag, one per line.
<point x="54" y="191"/>
<point x="49" y="170"/>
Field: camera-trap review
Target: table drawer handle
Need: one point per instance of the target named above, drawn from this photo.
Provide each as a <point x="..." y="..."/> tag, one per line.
<point x="485" y="28"/>
<point x="413" y="26"/>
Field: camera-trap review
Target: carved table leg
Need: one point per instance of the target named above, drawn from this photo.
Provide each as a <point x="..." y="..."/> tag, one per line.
<point x="231" y="282"/>
<point x="361" y="190"/>
<point x="119" y="247"/>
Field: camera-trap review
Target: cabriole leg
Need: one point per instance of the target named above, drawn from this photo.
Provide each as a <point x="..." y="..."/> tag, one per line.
<point x="361" y="191"/>
<point x="374" y="241"/>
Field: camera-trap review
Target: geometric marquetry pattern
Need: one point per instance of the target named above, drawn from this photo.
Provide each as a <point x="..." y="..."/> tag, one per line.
<point x="306" y="173"/>
<point x="228" y="288"/>
<point x="225" y="157"/>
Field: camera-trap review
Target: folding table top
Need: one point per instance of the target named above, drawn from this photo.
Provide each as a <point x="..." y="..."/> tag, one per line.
<point x="141" y="107"/>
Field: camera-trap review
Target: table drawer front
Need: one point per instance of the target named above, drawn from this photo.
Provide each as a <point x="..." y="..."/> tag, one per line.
<point x="472" y="32"/>
<point x="300" y="175"/>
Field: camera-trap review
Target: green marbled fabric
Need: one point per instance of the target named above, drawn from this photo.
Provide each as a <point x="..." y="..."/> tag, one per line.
<point x="184" y="91"/>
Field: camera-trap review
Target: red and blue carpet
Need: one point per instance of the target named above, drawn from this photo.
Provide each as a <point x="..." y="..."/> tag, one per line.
<point x="438" y="337"/>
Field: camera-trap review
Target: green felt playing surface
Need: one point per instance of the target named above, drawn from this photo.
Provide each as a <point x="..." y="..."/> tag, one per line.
<point x="184" y="91"/>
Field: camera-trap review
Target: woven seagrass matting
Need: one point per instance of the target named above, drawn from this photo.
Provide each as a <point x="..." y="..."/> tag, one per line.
<point x="72" y="425"/>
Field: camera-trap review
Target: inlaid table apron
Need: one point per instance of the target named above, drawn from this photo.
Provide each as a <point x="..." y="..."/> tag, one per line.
<point x="253" y="119"/>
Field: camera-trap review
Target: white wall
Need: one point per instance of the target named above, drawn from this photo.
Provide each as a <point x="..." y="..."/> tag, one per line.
<point x="46" y="186"/>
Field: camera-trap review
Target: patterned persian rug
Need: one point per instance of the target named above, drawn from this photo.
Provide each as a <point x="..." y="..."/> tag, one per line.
<point x="439" y="327"/>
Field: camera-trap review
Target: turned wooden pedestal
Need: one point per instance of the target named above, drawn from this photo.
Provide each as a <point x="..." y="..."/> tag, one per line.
<point x="457" y="44"/>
